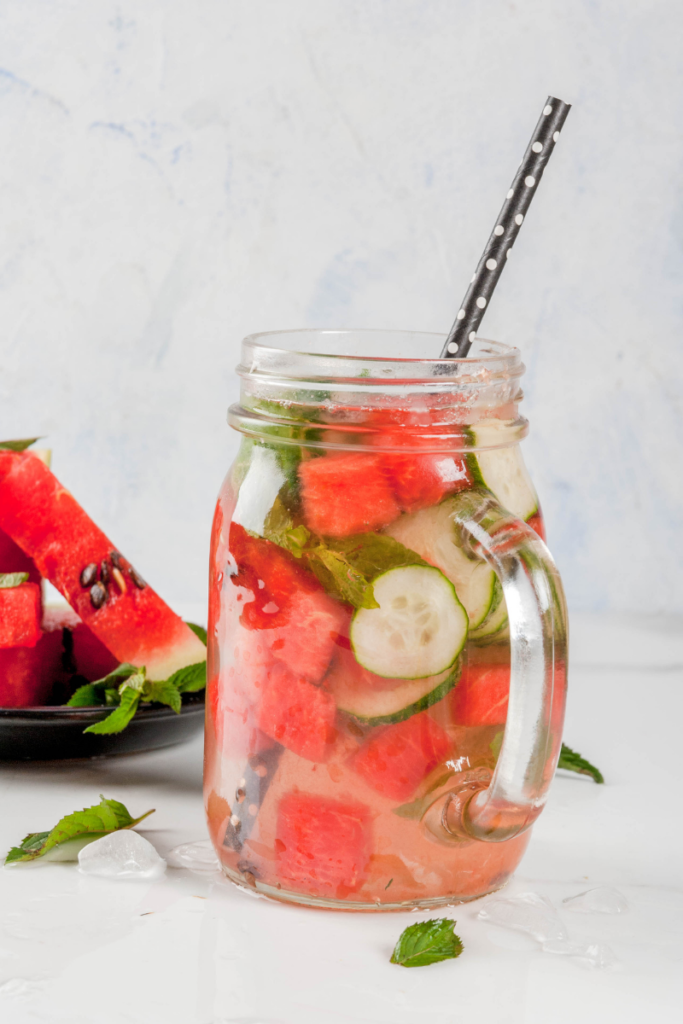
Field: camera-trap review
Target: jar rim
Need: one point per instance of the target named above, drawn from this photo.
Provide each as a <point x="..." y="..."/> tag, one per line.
<point x="309" y="354"/>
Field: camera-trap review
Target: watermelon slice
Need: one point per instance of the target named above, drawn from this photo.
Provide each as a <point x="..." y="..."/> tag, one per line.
<point x="20" y="614"/>
<point x="346" y="494"/>
<point x="396" y="758"/>
<point x="420" y="480"/>
<point x="102" y="587"/>
<point x="28" y="674"/>
<point x="323" y="846"/>
<point x="298" y="714"/>
<point x="301" y="621"/>
<point x="481" y="696"/>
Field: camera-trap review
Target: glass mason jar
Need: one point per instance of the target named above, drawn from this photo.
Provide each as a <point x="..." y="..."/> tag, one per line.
<point x="387" y="630"/>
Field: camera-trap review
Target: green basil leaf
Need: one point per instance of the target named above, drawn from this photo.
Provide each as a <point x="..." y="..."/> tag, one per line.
<point x="427" y="942"/>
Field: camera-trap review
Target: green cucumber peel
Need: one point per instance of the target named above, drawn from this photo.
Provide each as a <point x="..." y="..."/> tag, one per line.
<point x="88" y="824"/>
<point x="18" y="446"/>
<point x="10" y="580"/>
<point x="427" y="701"/>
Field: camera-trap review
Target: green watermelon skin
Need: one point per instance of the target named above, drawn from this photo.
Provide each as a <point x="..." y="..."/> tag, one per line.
<point x="20" y="613"/>
<point x="49" y="525"/>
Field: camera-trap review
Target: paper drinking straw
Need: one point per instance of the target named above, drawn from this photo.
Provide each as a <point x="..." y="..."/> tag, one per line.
<point x="503" y="236"/>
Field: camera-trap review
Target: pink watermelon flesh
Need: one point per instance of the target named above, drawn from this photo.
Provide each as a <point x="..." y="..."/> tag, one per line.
<point x="323" y="846"/>
<point x="346" y="494"/>
<point x="396" y="758"/>
<point x="297" y="714"/>
<point x="20" y="614"/>
<point x="51" y="527"/>
<point x="13" y="559"/>
<point x="27" y="674"/>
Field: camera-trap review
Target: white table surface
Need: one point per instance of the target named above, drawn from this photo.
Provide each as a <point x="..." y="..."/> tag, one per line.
<point x="193" y="949"/>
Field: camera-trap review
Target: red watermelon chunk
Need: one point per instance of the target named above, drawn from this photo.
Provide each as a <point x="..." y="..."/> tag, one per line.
<point x="420" y="480"/>
<point x="130" y="619"/>
<point x="20" y="613"/>
<point x="13" y="559"/>
<point x="536" y="523"/>
<point x="481" y="695"/>
<point x="396" y="758"/>
<point x="27" y="674"/>
<point x="323" y="846"/>
<point x="302" y="622"/>
<point x="297" y="714"/>
<point x="346" y="494"/>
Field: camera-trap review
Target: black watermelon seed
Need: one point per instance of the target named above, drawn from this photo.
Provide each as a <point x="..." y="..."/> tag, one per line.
<point x="89" y="574"/>
<point x="105" y="571"/>
<point x="117" y="559"/>
<point x="137" y="578"/>
<point x="98" y="595"/>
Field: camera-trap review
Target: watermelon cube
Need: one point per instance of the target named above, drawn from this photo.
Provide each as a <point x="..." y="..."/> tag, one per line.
<point x="419" y="480"/>
<point x="301" y="621"/>
<point x="298" y="714"/>
<point x="481" y="696"/>
<point x="536" y="523"/>
<point x="101" y="586"/>
<point x="20" y="613"/>
<point x="346" y="494"/>
<point x="13" y="559"/>
<point x="28" y="674"/>
<point x="322" y="846"/>
<point x="396" y="758"/>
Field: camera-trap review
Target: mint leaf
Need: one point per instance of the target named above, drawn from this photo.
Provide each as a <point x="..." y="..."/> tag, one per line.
<point x="87" y="696"/>
<point x="427" y="942"/>
<point x="189" y="679"/>
<point x="9" y="580"/>
<point x="107" y="816"/>
<point x="338" y="577"/>
<point x="18" y="446"/>
<point x="198" y="631"/>
<point x="164" y="693"/>
<point x="280" y="529"/>
<point x="573" y="762"/>
<point x="120" y="716"/>
<point x="372" y="554"/>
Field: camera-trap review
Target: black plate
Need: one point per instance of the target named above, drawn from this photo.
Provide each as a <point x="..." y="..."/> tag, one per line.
<point x="46" y="734"/>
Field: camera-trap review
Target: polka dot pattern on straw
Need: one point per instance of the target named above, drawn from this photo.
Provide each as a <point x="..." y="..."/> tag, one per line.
<point x="510" y="220"/>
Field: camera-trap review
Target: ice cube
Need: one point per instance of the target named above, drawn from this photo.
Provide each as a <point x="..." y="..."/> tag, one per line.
<point x="604" y="899"/>
<point x="529" y="912"/>
<point x="199" y="857"/>
<point x="596" y="956"/>
<point x="122" y="854"/>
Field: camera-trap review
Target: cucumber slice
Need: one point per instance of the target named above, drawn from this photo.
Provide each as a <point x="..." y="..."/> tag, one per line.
<point x="502" y="470"/>
<point x="419" y="628"/>
<point x="495" y="622"/>
<point x="394" y="704"/>
<point x="431" y="535"/>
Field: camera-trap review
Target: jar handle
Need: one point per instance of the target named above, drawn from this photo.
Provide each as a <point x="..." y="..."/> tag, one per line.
<point x="518" y="789"/>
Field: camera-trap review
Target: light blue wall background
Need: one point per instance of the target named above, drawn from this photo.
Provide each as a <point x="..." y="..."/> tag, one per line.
<point x="177" y="174"/>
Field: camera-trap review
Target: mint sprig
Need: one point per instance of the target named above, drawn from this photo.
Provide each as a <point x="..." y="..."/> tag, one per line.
<point x="90" y="823"/>
<point x="346" y="566"/>
<point x="18" y="446"/>
<point x="573" y="762"/>
<point x="427" y="942"/>
<point x="127" y="687"/>
<point x="9" y="580"/>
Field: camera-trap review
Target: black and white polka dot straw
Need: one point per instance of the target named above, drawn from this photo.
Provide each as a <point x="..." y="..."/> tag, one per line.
<point x="503" y="236"/>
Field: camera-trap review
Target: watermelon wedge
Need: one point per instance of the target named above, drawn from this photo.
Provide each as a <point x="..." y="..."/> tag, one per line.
<point x="102" y="587"/>
<point x="322" y="846"/>
<point x="20" y="613"/>
<point x="396" y="758"/>
<point x="346" y="494"/>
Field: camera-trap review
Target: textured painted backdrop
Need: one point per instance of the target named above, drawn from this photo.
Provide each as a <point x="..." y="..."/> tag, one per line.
<point x="177" y="174"/>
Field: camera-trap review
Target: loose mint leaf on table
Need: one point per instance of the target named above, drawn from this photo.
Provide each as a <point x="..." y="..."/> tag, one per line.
<point x="427" y="942"/>
<point x="573" y="762"/>
<point x="9" y="580"/>
<point x="198" y="631"/>
<point x="99" y="820"/>
<point x="18" y="446"/>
